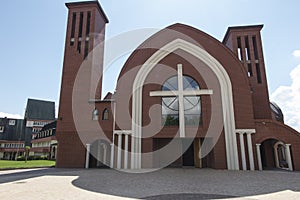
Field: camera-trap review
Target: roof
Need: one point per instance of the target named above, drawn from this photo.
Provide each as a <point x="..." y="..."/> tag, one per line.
<point x="40" y="110"/>
<point x="235" y="28"/>
<point x="80" y="3"/>
<point x="13" y="129"/>
<point x="108" y="96"/>
<point x="277" y="112"/>
<point x="49" y="126"/>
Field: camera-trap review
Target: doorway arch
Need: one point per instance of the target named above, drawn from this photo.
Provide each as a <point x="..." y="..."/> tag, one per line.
<point x="99" y="154"/>
<point x="275" y="154"/>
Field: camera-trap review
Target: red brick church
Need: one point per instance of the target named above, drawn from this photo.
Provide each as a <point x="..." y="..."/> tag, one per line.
<point x="183" y="98"/>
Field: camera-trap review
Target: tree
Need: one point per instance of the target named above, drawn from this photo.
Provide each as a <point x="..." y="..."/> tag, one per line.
<point x="27" y="150"/>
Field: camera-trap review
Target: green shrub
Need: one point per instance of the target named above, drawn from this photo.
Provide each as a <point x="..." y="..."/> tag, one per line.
<point x="30" y="158"/>
<point x="34" y="158"/>
<point x="21" y="158"/>
<point x="44" y="157"/>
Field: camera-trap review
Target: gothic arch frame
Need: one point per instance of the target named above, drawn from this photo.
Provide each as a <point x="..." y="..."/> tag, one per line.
<point x="226" y="95"/>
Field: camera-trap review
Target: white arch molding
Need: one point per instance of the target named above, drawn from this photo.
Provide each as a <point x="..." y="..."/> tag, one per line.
<point x="226" y="96"/>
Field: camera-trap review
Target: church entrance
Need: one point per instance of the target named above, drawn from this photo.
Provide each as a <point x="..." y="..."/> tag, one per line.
<point x="275" y="154"/>
<point x="189" y="149"/>
<point x="188" y="155"/>
<point x="99" y="154"/>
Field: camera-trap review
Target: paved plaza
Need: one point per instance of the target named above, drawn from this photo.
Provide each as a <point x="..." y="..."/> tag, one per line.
<point x="170" y="183"/>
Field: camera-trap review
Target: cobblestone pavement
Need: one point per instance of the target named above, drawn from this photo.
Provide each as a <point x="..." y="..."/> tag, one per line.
<point x="170" y="183"/>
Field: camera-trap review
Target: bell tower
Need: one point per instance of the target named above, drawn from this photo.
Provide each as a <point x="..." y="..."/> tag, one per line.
<point x="85" y="33"/>
<point x="246" y="44"/>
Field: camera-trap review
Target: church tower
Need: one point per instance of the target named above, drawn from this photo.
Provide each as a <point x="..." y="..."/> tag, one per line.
<point x="85" y="31"/>
<point x="246" y="44"/>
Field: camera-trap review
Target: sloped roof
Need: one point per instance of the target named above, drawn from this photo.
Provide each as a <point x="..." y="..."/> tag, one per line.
<point x="12" y="132"/>
<point x="49" y="126"/>
<point x="40" y="110"/>
<point x="108" y="96"/>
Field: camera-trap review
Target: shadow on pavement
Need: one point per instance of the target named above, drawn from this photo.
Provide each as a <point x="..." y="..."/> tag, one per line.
<point x="172" y="183"/>
<point x="188" y="183"/>
<point x="26" y="174"/>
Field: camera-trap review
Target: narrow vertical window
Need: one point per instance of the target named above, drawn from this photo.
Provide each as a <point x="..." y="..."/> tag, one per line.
<point x="247" y="49"/>
<point x="105" y="114"/>
<point x="88" y="24"/>
<point x="80" y="32"/>
<point x="86" y="48"/>
<point x="79" y="46"/>
<point x="255" y="47"/>
<point x="240" y="53"/>
<point x="95" y="115"/>
<point x="87" y="39"/>
<point x="250" y="73"/>
<point x="73" y="29"/>
<point x="80" y="24"/>
<point x="258" y="73"/>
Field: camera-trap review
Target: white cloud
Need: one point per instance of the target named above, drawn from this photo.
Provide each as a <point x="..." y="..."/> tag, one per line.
<point x="288" y="99"/>
<point x="14" y="116"/>
<point x="296" y="53"/>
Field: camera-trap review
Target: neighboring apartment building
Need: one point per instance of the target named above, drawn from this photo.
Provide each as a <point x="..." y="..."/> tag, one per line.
<point x="44" y="143"/>
<point x="38" y="113"/>
<point x="11" y="138"/>
<point x="16" y="134"/>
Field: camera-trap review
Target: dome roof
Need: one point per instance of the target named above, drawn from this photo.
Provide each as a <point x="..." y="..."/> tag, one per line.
<point x="276" y="112"/>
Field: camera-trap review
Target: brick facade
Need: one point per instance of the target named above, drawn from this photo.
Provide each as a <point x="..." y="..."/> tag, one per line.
<point x="240" y="54"/>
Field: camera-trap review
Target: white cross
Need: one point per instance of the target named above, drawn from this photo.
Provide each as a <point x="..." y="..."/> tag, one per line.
<point x="181" y="93"/>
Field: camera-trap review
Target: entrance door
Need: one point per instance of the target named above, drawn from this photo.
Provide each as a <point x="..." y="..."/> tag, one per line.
<point x="99" y="154"/>
<point x="188" y="155"/>
<point x="207" y="160"/>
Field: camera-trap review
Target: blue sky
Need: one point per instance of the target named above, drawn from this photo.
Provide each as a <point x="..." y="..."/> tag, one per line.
<point x="33" y="33"/>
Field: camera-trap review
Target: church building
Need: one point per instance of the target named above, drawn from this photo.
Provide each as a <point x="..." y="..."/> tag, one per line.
<point x="183" y="98"/>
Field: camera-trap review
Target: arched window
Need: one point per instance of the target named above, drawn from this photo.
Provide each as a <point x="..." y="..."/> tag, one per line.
<point x="95" y="115"/>
<point x="105" y="114"/>
<point x="170" y="105"/>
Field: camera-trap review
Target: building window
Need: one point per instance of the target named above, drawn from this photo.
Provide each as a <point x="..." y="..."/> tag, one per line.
<point x="36" y="130"/>
<point x="247" y="49"/>
<point x="88" y="24"/>
<point x="80" y="24"/>
<point x="86" y="48"/>
<point x="250" y="73"/>
<point x="12" y="122"/>
<point x="105" y="114"/>
<point x="95" y="115"/>
<point x="255" y="47"/>
<point x="240" y="53"/>
<point x="80" y="32"/>
<point x="258" y="73"/>
<point x="1" y="129"/>
<point x="38" y="123"/>
<point x="73" y="29"/>
<point x="170" y="105"/>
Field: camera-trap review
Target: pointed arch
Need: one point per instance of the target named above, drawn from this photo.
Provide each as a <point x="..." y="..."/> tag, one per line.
<point x="95" y="116"/>
<point x="226" y="95"/>
<point x="105" y="114"/>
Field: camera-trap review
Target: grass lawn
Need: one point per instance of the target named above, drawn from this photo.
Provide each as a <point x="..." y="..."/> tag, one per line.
<point x="10" y="164"/>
